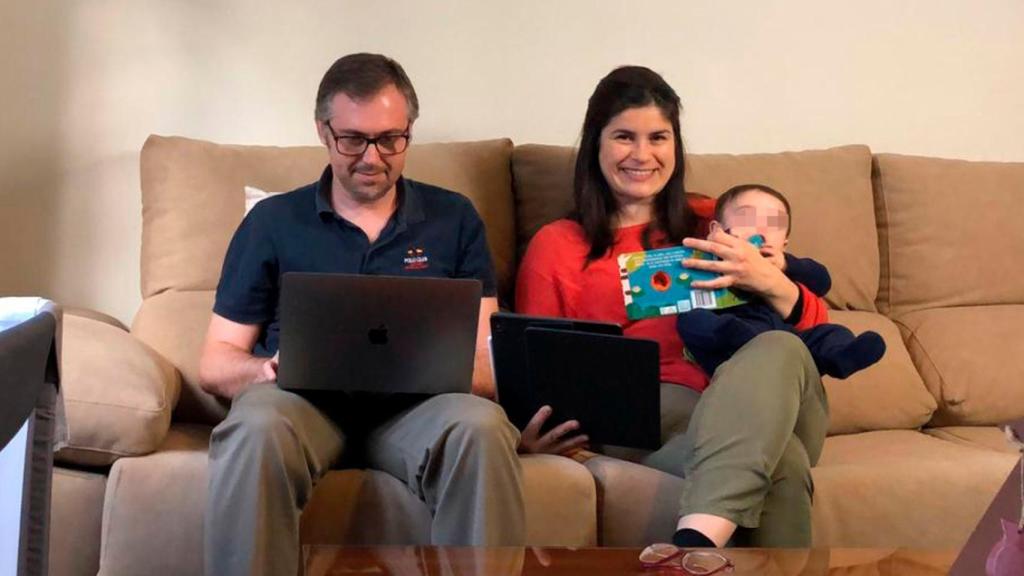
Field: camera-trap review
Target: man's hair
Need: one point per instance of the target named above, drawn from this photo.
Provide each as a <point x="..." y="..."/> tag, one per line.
<point x="730" y="196"/>
<point x="624" y="88"/>
<point x="360" y="76"/>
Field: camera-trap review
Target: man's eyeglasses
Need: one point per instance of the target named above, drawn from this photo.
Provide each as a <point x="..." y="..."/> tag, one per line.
<point x="388" y="144"/>
<point x="692" y="563"/>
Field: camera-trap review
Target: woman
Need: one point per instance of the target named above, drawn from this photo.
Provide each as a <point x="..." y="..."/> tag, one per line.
<point x="745" y="440"/>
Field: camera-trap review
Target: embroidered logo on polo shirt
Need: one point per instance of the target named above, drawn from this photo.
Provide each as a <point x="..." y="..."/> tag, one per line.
<point x="416" y="259"/>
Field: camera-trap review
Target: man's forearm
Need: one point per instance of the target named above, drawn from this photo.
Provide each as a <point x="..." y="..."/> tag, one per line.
<point x="483" y="379"/>
<point x="225" y="370"/>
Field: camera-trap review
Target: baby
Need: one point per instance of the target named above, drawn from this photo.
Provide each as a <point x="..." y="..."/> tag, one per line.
<point x="711" y="337"/>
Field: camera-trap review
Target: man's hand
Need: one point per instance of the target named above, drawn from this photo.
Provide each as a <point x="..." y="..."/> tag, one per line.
<point x="554" y="441"/>
<point x="774" y="255"/>
<point x="270" y="368"/>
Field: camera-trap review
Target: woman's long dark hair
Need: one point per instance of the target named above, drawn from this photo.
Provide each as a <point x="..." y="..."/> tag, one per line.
<point x="627" y="87"/>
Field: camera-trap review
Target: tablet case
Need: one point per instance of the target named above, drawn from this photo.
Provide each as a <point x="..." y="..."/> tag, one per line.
<point x="508" y="357"/>
<point x="610" y="384"/>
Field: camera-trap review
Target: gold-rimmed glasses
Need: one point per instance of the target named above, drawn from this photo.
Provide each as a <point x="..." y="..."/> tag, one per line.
<point x="688" y="562"/>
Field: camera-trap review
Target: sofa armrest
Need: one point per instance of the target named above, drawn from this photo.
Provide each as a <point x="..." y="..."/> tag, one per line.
<point x="118" y="392"/>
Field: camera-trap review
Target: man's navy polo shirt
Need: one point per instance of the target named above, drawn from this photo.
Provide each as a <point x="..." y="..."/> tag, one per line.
<point x="434" y="232"/>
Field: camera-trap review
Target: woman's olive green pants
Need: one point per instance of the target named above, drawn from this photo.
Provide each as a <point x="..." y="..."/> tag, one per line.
<point x="746" y="445"/>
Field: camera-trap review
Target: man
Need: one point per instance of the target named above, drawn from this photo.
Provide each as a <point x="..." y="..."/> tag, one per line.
<point x="457" y="452"/>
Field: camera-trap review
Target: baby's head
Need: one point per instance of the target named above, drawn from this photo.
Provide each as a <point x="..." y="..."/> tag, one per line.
<point x="750" y="209"/>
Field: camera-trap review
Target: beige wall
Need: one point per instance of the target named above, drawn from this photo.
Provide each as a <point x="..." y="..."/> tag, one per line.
<point x="85" y="81"/>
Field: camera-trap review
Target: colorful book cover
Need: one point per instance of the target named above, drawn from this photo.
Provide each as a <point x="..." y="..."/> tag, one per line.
<point x="655" y="283"/>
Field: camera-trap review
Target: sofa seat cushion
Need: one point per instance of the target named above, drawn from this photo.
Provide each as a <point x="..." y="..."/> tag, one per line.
<point x="636" y="505"/>
<point x="828" y="190"/>
<point x="887" y="395"/>
<point x="154" y="505"/>
<point x="903" y="488"/>
<point x="368" y="507"/>
<point x="970" y="359"/>
<point x="882" y="489"/>
<point x="118" y="393"/>
<point x="561" y="502"/>
<point x="950" y="233"/>
<point x="348" y="507"/>
<point x="988" y="437"/>
<point x="76" y="518"/>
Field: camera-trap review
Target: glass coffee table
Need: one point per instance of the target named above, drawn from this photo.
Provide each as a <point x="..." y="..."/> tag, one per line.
<point x="324" y="560"/>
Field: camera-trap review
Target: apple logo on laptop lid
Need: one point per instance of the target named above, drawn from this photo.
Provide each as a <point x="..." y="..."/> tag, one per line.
<point x="378" y="335"/>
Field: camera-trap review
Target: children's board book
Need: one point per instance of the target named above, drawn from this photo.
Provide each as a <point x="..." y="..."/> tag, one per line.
<point x="655" y="283"/>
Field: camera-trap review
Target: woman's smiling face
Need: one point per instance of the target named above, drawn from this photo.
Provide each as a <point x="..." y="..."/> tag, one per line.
<point x="637" y="154"/>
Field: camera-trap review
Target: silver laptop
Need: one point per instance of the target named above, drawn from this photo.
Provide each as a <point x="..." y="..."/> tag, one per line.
<point x="377" y="333"/>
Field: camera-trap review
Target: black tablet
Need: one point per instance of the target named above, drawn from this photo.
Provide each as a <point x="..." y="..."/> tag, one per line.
<point x="610" y="384"/>
<point x="585" y="371"/>
<point x="508" y="357"/>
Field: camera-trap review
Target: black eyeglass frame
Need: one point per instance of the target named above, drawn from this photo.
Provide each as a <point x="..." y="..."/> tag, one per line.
<point x="401" y="136"/>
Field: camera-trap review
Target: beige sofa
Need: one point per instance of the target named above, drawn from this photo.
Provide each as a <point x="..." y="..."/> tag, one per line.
<point x="925" y="251"/>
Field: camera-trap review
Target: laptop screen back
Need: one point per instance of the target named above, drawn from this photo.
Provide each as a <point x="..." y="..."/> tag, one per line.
<point x="377" y="333"/>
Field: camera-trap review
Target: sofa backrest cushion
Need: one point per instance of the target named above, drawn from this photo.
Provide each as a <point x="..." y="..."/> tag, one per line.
<point x="885" y="396"/>
<point x="952" y="245"/>
<point x="193" y="199"/>
<point x="952" y="233"/>
<point x="174" y="324"/>
<point x="970" y="360"/>
<point x="829" y="191"/>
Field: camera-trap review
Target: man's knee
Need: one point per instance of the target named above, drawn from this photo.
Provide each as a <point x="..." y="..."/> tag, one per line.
<point x="482" y="421"/>
<point x="260" y="416"/>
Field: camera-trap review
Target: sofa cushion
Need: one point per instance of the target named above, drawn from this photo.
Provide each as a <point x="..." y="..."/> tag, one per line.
<point x="950" y="232"/>
<point x="828" y="190"/>
<point x="174" y="324"/>
<point x="193" y="199"/>
<point x="347" y="507"/>
<point x="118" y="393"/>
<point x="867" y="493"/>
<point x="970" y="359"/>
<point x="76" y="513"/>
<point x="154" y="506"/>
<point x="636" y="505"/>
<point x="887" y="395"/>
<point x="543" y="187"/>
<point x="364" y="507"/>
<point x="869" y="487"/>
<point x="989" y="437"/>
<point x="480" y="171"/>
<point x="561" y="502"/>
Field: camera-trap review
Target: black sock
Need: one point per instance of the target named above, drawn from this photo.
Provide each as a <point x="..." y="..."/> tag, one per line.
<point x="860" y="353"/>
<point x="690" y="538"/>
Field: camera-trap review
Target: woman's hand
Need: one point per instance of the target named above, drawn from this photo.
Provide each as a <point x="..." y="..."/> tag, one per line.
<point x="554" y="441"/>
<point x="742" y="266"/>
<point x="774" y="255"/>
